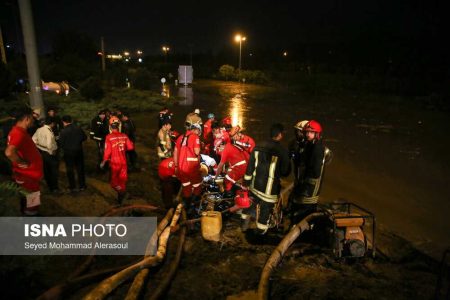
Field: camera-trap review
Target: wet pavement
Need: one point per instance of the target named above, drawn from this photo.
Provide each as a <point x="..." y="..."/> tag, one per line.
<point x="390" y="154"/>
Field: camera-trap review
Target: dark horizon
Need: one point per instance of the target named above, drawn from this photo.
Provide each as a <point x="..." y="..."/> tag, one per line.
<point x="205" y="28"/>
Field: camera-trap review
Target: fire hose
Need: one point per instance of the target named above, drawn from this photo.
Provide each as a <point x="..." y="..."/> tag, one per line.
<point x="280" y="250"/>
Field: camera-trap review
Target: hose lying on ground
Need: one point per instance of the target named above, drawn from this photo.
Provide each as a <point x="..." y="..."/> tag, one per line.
<point x="75" y="279"/>
<point x="162" y="287"/>
<point x="277" y="254"/>
<point x="111" y="283"/>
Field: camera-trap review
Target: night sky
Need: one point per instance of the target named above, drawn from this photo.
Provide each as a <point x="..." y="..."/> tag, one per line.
<point x="211" y="25"/>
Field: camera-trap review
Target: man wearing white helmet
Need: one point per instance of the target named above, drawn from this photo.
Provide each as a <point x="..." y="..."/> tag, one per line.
<point x="296" y="152"/>
<point x="187" y="159"/>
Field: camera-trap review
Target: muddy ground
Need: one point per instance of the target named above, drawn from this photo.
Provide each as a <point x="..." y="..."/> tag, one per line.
<point x="231" y="268"/>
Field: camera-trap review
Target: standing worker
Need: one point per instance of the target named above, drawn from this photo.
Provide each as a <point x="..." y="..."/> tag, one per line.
<point x="99" y="130"/>
<point x="236" y="158"/>
<point x="187" y="160"/>
<point x="129" y="129"/>
<point x="46" y="143"/>
<point x="164" y="142"/>
<point x="207" y="134"/>
<point x="26" y="161"/>
<point x="71" y="142"/>
<point x="315" y="157"/>
<point x="116" y="146"/>
<point x="269" y="162"/>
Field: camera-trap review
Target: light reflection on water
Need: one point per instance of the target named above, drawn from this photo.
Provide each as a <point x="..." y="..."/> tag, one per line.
<point x="237" y="110"/>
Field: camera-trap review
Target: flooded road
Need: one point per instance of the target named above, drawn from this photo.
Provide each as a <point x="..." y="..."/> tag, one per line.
<point x="390" y="155"/>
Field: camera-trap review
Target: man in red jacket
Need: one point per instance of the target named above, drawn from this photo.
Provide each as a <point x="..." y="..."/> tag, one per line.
<point x="187" y="160"/>
<point x="116" y="146"/>
<point x="236" y="158"/>
<point x="27" y="165"/>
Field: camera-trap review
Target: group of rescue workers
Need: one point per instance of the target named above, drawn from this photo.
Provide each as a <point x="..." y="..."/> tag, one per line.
<point x="215" y="149"/>
<point x="221" y="150"/>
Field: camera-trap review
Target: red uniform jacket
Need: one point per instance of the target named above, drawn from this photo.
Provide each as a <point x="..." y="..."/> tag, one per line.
<point x="188" y="161"/>
<point x="236" y="158"/>
<point x="116" y="146"/>
<point x="27" y="150"/>
<point x="246" y="142"/>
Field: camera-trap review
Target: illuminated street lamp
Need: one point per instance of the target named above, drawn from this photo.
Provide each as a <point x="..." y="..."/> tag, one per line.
<point x="238" y="38"/>
<point x="285" y="53"/>
<point x="139" y="52"/>
<point x="165" y="50"/>
<point x="126" y="53"/>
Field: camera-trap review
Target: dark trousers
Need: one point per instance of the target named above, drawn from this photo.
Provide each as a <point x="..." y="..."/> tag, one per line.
<point x="75" y="160"/>
<point x="50" y="170"/>
<point x="261" y="211"/>
<point x="131" y="158"/>
<point x="100" y="150"/>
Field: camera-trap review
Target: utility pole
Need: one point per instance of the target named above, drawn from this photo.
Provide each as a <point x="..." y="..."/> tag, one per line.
<point x="2" y="47"/>
<point x="34" y="78"/>
<point x="102" y="41"/>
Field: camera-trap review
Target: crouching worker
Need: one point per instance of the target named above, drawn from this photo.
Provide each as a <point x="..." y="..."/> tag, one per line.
<point x="236" y="158"/>
<point x="269" y="162"/>
<point x="169" y="182"/>
<point x="116" y="146"/>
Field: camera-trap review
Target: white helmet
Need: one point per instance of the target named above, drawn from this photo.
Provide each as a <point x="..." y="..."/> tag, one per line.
<point x="301" y="125"/>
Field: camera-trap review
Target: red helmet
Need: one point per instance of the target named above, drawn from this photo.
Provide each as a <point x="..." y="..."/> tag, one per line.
<point x="226" y="121"/>
<point x="314" y="126"/>
<point x="242" y="200"/>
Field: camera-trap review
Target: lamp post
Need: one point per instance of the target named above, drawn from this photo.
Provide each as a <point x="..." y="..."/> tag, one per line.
<point x="240" y="39"/>
<point x="165" y="50"/>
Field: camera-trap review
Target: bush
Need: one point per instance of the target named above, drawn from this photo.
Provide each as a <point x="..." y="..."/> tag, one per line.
<point x="254" y="76"/>
<point x="92" y="89"/>
<point x="227" y="72"/>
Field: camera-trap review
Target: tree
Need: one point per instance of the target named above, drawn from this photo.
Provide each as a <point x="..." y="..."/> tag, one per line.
<point x="226" y="71"/>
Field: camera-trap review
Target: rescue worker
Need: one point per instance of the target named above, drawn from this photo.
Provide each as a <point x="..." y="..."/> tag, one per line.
<point x="71" y="142"/>
<point x="221" y="138"/>
<point x="168" y="180"/>
<point x="26" y="161"/>
<point x="116" y="146"/>
<point x="296" y="152"/>
<point x="237" y="159"/>
<point x="226" y="123"/>
<point x="99" y="130"/>
<point x="314" y="157"/>
<point x="187" y="160"/>
<point x="164" y="143"/>
<point x="46" y="143"/>
<point x="242" y="140"/>
<point x="129" y="129"/>
<point x="269" y="162"/>
<point x="207" y="134"/>
<point x="164" y="114"/>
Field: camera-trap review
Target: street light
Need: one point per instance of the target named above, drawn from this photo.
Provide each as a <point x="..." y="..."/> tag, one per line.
<point x="165" y="50"/>
<point x="238" y="38"/>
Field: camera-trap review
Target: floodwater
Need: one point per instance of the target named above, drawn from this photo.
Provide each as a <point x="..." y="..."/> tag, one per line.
<point x="390" y="154"/>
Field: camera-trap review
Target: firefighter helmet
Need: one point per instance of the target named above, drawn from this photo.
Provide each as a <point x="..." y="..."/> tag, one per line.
<point x="301" y="125"/>
<point x="226" y="121"/>
<point x="196" y="126"/>
<point x="114" y="119"/>
<point x="192" y="119"/>
<point x="314" y="126"/>
<point x="211" y="116"/>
